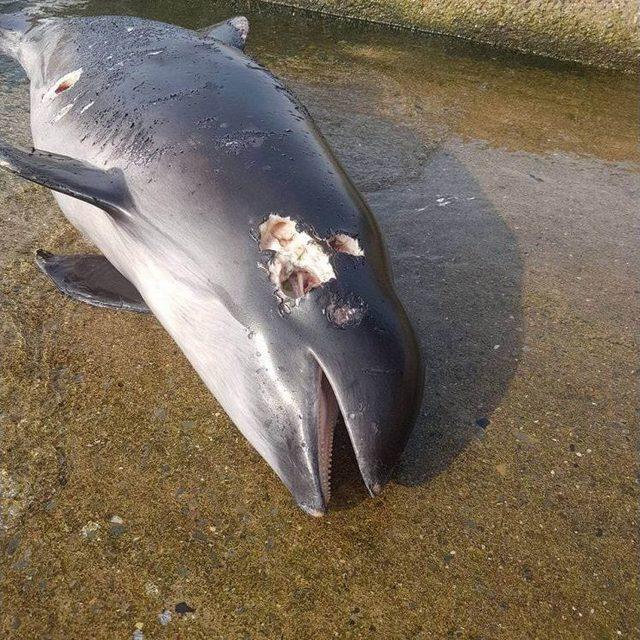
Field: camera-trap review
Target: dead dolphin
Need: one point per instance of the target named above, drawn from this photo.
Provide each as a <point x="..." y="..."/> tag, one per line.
<point x="218" y="206"/>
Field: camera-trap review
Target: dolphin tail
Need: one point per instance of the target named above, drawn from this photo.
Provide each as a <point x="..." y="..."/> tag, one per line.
<point x="13" y="26"/>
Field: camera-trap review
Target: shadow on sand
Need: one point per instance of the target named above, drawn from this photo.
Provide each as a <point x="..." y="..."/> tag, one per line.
<point x="458" y="271"/>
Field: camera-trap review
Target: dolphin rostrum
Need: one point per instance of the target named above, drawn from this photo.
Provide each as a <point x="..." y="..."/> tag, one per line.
<point x="218" y="206"/>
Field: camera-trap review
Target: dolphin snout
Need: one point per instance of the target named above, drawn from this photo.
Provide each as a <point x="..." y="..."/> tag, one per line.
<point x="369" y="377"/>
<point x="378" y="405"/>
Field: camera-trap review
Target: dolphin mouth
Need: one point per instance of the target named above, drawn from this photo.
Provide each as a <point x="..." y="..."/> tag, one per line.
<point x="327" y="416"/>
<point x="328" y="413"/>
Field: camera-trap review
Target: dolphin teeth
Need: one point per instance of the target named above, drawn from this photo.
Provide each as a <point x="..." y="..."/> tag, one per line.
<point x="327" y="417"/>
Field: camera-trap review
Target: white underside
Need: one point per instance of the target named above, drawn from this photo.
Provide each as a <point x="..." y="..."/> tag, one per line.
<point x="219" y="347"/>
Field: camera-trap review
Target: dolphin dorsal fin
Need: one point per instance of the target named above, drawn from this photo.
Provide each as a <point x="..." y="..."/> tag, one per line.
<point x="232" y="32"/>
<point x="102" y="188"/>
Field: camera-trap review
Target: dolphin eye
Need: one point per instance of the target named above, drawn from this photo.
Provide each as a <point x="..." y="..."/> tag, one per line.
<point x="346" y="313"/>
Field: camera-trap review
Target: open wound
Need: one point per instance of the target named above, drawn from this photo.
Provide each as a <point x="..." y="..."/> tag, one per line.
<point x="300" y="262"/>
<point x="63" y="84"/>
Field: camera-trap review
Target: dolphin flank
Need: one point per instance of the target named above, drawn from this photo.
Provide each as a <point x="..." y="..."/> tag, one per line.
<point x="217" y="206"/>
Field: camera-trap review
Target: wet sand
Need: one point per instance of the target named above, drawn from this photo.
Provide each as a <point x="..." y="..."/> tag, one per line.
<point x="507" y="189"/>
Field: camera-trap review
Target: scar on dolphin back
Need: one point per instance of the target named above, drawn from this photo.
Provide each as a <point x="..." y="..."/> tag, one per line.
<point x="66" y="82"/>
<point x="300" y="262"/>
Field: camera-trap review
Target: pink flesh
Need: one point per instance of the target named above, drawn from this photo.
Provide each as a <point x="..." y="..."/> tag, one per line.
<point x="302" y="282"/>
<point x="63" y="86"/>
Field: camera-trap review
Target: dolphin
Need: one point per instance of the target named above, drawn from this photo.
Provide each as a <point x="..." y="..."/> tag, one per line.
<point x="217" y="205"/>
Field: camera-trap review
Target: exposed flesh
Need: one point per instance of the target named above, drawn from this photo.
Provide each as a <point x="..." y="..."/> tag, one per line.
<point x="300" y="263"/>
<point x="66" y="82"/>
<point x="343" y="243"/>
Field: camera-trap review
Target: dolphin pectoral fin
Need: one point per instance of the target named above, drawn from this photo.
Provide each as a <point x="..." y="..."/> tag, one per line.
<point x="105" y="189"/>
<point x="91" y="279"/>
<point x="232" y="32"/>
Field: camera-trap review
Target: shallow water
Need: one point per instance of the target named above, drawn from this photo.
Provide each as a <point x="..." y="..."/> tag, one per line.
<point x="507" y="189"/>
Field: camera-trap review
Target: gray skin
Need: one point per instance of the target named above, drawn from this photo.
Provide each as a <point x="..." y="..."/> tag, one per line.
<point x="168" y="152"/>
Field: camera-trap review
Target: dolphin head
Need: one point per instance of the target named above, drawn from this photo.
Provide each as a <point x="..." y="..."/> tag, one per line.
<point x="294" y="322"/>
<point x="333" y="340"/>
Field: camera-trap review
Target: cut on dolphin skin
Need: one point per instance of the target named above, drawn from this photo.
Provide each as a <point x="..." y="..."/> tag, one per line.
<point x="300" y="262"/>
